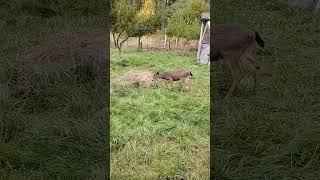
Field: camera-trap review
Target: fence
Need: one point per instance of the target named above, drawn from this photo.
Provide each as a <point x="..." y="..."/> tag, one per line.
<point x="159" y="41"/>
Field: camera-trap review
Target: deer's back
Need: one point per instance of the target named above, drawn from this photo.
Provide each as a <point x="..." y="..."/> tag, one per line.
<point x="230" y="38"/>
<point x="178" y="74"/>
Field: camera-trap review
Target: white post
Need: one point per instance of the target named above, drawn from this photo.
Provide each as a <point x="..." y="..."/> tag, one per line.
<point x="200" y="43"/>
<point x="209" y="41"/>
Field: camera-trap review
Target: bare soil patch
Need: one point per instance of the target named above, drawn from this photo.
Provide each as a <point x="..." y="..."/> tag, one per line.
<point x="142" y="77"/>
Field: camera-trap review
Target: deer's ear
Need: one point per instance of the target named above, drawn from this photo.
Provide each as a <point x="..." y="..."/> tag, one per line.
<point x="157" y="73"/>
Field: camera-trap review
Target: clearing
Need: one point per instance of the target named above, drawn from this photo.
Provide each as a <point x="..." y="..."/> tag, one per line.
<point x="156" y="131"/>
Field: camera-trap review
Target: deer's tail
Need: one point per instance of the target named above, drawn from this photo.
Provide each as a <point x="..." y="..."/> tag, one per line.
<point x="259" y="39"/>
<point x="190" y="73"/>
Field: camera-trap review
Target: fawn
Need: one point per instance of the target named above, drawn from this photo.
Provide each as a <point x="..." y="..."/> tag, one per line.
<point x="175" y="75"/>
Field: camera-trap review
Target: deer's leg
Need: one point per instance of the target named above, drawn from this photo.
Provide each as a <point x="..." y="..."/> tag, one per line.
<point x="251" y="64"/>
<point x="254" y="71"/>
<point x="189" y="82"/>
<point x="237" y="76"/>
<point x="169" y="81"/>
<point x="253" y="61"/>
<point x="155" y="83"/>
<point x="185" y="83"/>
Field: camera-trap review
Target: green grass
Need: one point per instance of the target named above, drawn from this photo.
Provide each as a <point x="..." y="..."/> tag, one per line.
<point x="273" y="134"/>
<point x="59" y="131"/>
<point x="157" y="132"/>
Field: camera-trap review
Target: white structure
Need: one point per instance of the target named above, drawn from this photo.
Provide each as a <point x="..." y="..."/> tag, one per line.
<point x="203" y="55"/>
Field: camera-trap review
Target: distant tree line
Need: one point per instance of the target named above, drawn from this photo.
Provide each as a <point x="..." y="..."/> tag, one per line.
<point x="137" y="18"/>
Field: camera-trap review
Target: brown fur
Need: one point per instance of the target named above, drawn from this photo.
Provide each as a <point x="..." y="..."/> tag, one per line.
<point x="236" y="45"/>
<point x="176" y="75"/>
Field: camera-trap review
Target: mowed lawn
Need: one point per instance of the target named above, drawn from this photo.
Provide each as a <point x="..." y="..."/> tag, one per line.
<point x="157" y="132"/>
<point x="274" y="134"/>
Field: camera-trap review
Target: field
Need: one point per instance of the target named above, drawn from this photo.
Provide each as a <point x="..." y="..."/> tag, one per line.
<point x="56" y="128"/>
<point x="274" y="134"/>
<point x="157" y="132"/>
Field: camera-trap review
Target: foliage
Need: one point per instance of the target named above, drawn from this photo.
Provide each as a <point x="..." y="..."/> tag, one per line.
<point x="121" y="17"/>
<point x="150" y="22"/>
<point x="122" y="13"/>
<point x="134" y="18"/>
<point x="185" y="20"/>
<point x="147" y="11"/>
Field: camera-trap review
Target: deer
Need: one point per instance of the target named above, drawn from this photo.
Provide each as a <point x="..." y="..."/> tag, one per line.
<point x="236" y="45"/>
<point x="182" y="75"/>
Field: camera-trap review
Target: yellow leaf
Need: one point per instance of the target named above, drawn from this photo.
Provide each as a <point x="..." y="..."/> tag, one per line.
<point x="146" y="11"/>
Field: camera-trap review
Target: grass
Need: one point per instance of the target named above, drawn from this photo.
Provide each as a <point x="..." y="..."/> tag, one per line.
<point x="59" y="131"/>
<point x="273" y="134"/>
<point x="156" y="132"/>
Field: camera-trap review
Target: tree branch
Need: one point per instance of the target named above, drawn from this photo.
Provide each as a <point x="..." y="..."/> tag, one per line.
<point x="114" y="39"/>
<point x="119" y="37"/>
<point x="124" y="40"/>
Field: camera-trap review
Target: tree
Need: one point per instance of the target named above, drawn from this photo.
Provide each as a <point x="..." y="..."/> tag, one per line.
<point x="185" y="22"/>
<point x="148" y="20"/>
<point x="121" y="14"/>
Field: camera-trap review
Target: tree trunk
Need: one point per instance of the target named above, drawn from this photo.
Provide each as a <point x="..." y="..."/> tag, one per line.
<point x="147" y="42"/>
<point x="139" y="44"/>
<point x="119" y="50"/>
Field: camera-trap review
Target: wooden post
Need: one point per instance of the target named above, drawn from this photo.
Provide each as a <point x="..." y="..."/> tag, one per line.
<point x="177" y="41"/>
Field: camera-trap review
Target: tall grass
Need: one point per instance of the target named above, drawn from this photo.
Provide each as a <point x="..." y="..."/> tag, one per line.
<point x="273" y="134"/>
<point x="53" y="117"/>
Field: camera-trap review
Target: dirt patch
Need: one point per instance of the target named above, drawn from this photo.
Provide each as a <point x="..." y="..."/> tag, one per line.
<point x="141" y="77"/>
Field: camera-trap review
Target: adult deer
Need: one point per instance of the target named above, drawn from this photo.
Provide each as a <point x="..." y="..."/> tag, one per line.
<point x="236" y="45"/>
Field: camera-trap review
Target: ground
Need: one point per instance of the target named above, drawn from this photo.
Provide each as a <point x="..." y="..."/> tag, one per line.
<point x="273" y="134"/>
<point x="156" y="131"/>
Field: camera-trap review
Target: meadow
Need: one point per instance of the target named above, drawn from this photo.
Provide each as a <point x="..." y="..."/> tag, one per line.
<point x="56" y="128"/>
<point x="273" y="134"/>
<point x="157" y="132"/>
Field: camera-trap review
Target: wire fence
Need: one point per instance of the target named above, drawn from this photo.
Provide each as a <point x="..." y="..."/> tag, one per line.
<point x="159" y="42"/>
